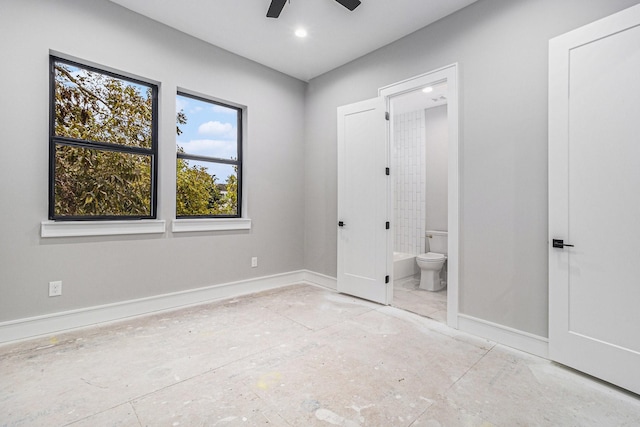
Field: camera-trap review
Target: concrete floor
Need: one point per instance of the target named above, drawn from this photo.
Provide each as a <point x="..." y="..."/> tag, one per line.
<point x="297" y="356"/>
<point x="408" y="296"/>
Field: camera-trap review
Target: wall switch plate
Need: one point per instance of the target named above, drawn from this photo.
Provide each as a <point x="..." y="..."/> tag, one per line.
<point x="254" y="262"/>
<point x="55" y="288"/>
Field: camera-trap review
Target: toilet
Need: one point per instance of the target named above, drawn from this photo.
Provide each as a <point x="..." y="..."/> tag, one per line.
<point x="432" y="275"/>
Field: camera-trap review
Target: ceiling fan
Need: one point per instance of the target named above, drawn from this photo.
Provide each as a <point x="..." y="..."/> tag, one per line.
<point x="277" y="5"/>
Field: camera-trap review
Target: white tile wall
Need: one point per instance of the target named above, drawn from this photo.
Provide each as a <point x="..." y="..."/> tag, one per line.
<point x="409" y="171"/>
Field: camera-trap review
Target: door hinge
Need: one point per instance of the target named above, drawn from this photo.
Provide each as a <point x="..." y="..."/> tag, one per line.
<point x="386" y="279"/>
<point x="387" y="225"/>
<point x="386" y="115"/>
<point x="387" y="171"/>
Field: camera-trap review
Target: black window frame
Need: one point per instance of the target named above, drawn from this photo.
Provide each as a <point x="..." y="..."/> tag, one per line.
<point x="238" y="162"/>
<point x="55" y="141"/>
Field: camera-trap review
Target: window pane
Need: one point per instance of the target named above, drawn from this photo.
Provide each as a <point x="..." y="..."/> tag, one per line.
<point x="92" y="182"/>
<point x="206" y="129"/>
<point x="97" y="107"/>
<point x="206" y="189"/>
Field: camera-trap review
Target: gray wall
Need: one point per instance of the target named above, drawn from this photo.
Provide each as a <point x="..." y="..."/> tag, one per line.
<point x="100" y="270"/>
<point x="501" y="47"/>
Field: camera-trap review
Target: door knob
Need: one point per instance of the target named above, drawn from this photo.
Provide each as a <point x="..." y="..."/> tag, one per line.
<point x="559" y="243"/>
<point x="341" y="224"/>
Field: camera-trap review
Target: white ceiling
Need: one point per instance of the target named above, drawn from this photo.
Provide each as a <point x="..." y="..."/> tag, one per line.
<point x="336" y="35"/>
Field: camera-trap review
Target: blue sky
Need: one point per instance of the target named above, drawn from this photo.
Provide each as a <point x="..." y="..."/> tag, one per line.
<point x="211" y="130"/>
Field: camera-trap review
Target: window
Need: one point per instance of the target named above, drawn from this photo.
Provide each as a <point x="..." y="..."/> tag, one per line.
<point x="209" y="158"/>
<point x="102" y="145"/>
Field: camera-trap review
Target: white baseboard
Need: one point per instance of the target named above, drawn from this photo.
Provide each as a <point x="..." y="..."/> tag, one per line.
<point x="510" y="337"/>
<point x="30" y="327"/>
<point x="313" y="278"/>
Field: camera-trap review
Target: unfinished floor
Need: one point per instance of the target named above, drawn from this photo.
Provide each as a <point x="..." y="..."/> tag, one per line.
<point x="296" y="356"/>
<point x="408" y="296"/>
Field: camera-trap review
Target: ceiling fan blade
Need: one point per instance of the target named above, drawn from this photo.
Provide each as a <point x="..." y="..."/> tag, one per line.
<point x="349" y="4"/>
<point x="275" y="8"/>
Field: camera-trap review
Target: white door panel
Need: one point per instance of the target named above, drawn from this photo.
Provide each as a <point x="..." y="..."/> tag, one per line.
<point x="604" y="188"/>
<point x="362" y="201"/>
<point x="594" y="199"/>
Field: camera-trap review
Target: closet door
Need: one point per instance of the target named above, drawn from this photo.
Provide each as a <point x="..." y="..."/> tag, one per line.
<point x="594" y="199"/>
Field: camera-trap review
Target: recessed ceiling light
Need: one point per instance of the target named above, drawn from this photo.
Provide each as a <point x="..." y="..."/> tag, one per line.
<point x="301" y="32"/>
<point x="427" y="89"/>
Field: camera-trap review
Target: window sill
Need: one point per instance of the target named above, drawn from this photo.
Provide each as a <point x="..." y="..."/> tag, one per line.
<point x="210" y="224"/>
<point x="100" y="228"/>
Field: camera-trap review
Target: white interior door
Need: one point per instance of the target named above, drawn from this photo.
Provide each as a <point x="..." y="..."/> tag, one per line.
<point x="363" y="254"/>
<point x="594" y="199"/>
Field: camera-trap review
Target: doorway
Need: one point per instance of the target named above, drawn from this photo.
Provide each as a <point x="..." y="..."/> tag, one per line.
<point x="419" y="141"/>
<point x="365" y="194"/>
<point x="421" y="210"/>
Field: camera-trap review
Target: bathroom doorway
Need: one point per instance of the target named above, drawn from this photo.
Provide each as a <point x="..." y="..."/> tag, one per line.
<point x="423" y="154"/>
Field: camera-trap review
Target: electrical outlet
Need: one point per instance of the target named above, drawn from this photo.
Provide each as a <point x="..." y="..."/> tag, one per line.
<point x="254" y="262"/>
<point x="55" y="288"/>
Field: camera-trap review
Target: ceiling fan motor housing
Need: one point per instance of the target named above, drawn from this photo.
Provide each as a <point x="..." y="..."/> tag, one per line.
<point x="276" y="6"/>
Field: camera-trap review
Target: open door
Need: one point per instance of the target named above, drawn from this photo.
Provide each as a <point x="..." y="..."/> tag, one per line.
<point x="594" y="199"/>
<point x="363" y="187"/>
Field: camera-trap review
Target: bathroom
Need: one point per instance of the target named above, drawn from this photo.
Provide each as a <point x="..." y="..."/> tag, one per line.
<point x="419" y="155"/>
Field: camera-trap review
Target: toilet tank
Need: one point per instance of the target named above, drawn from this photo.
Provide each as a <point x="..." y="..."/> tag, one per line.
<point x="437" y="241"/>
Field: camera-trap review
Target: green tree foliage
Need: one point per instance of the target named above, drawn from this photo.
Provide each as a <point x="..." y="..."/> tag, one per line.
<point x="91" y="106"/>
<point x="196" y="190"/>
<point x="199" y="194"/>
<point x="90" y="182"/>
<point x="230" y="200"/>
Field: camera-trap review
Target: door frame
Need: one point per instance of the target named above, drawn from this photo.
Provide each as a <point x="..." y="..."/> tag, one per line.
<point x="450" y="75"/>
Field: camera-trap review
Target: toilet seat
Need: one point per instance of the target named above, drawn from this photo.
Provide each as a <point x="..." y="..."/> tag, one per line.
<point x="431" y="257"/>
